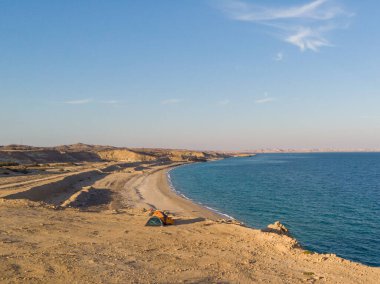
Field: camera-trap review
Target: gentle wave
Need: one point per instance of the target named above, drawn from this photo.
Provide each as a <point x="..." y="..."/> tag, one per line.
<point x="172" y="187"/>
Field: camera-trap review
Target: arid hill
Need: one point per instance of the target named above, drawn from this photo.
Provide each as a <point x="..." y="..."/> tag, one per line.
<point x="22" y="154"/>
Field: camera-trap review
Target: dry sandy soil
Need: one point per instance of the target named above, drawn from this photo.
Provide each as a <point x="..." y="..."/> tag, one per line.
<point x="87" y="226"/>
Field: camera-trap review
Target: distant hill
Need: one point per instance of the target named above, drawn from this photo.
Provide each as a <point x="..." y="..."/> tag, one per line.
<point x="80" y="152"/>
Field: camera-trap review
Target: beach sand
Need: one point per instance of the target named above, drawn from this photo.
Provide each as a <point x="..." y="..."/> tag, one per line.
<point x="89" y="228"/>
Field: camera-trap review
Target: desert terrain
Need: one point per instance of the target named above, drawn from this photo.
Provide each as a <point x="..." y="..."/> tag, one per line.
<point x="77" y="214"/>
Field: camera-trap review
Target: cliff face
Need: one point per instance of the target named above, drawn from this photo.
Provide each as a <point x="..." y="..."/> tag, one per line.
<point x="46" y="156"/>
<point x="125" y="156"/>
<point x="135" y="155"/>
<point x="94" y="153"/>
<point x="24" y="154"/>
<point x="182" y="155"/>
<point x="177" y="156"/>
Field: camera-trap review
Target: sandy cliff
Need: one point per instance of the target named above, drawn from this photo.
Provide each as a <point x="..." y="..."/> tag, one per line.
<point x="95" y="153"/>
<point x="125" y="156"/>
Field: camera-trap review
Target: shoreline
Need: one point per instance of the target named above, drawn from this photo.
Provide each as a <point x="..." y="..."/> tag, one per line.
<point x="180" y="194"/>
<point x="107" y="240"/>
<point x="156" y="192"/>
<point x="223" y="216"/>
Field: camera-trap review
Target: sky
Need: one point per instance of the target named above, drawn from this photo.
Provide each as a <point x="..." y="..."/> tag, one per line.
<point x="195" y="74"/>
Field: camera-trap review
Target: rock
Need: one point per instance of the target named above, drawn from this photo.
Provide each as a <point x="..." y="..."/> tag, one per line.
<point x="230" y="221"/>
<point x="279" y="228"/>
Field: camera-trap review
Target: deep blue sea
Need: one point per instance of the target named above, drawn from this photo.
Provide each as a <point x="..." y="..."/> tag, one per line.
<point x="329" y="201"/>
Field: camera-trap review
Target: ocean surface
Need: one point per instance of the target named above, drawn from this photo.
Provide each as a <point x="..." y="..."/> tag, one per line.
<point x="329" y="201"/>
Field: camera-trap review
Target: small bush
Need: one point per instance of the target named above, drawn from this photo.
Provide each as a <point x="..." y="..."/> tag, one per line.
<point x="8" y="164"/>
<point x="21" y="171"/>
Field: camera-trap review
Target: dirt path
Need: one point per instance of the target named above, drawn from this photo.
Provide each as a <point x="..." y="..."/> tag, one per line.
<point x="32" y="181"/>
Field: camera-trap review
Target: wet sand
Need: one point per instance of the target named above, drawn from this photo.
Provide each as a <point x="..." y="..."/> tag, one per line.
<point x="152" y="190"/>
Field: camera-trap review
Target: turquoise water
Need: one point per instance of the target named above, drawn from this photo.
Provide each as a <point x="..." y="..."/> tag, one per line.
<point x="329" y="201"/>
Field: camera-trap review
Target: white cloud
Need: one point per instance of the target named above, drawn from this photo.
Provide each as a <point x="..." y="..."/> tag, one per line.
<point x="78" y="102"/>
<point x="170" y="101"/>
<point x="316" y="10"/>
<point x="87" y="101"/>
<point x="279" y="56"/>
<point x="305" y="26"/>
<point x="264" y="100"/>
<point x="307" y="38"/>
<point x="224" y="102"/>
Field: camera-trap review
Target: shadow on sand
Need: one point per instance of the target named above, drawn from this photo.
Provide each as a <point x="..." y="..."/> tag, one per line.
<point x="188" y="221"/>
<point x="94" y="197"/>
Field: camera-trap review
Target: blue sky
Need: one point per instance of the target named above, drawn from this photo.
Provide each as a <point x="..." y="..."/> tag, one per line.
<point x="200" y="74"/>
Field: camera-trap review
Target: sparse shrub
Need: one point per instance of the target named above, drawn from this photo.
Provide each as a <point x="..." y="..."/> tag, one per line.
<point x="21" y="171"/>
<point x="8" y="164"/>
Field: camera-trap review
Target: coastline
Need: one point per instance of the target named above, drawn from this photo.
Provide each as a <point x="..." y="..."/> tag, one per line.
<point x="183" y="207"/>
<point x="108" y="242"/>
<point x="222" y="215"/>
<point x="153" y="190"/>
<point x="180" y="194"/>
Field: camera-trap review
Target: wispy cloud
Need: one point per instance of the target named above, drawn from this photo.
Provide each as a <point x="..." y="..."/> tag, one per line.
<point x="265" y="99"/>
<point x="305" y="26"/>
<point x="78" y="102"/>
<point x="224" y="102"/>
<point x="91" y="101"/>
<point x="170" y="101"/>
<point x="308" y="38"/>
<point x="316" y="10"/>
<point x="279" y="57"/>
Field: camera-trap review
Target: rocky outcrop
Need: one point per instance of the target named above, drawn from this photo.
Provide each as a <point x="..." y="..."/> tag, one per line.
<point x="278" y="228"/>
<point x="125" y="155"/>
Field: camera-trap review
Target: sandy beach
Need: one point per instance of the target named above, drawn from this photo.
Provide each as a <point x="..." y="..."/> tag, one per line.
<point x="88" y="227"/>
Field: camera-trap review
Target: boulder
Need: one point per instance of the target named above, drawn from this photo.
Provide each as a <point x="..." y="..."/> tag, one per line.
<point x="278" y="228"/>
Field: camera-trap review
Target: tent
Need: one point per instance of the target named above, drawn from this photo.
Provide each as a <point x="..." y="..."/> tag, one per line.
<point x="154" y="221"/>
<point x="159" y="218"/>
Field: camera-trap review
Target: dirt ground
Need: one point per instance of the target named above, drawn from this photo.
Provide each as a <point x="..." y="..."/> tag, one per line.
<point x="89" y="228"/>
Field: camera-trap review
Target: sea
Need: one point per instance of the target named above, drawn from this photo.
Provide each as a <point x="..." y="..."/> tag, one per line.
<point x="330" y="202"/>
